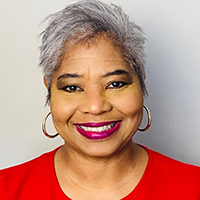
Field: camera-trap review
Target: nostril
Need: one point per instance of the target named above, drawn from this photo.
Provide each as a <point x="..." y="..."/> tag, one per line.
<point x="95" y="106"/>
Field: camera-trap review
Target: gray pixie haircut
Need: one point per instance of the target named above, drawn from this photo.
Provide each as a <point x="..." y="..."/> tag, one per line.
<point x="82" y="21"/>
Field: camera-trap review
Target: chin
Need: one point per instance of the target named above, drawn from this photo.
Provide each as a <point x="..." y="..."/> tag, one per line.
<point x="101" y="149"/>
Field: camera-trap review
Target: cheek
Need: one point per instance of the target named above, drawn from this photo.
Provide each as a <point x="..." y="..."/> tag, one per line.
<point x="130" y="104"/>
<point x="61" y="109"/>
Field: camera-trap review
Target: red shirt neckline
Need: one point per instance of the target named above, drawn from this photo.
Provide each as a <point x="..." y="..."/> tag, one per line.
<point x="132" y="193"/>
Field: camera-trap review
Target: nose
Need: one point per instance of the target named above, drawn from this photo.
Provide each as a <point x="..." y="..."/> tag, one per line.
<point x="95" y="102"/>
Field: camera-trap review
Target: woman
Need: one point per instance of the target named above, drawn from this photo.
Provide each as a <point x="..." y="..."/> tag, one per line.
<point x="93" y="64"/>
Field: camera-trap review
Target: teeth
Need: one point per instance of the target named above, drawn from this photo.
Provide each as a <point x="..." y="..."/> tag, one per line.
<point x="98" y="129"/>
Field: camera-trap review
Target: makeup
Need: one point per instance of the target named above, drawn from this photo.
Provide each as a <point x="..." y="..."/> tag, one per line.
<point x="98" y="131"/>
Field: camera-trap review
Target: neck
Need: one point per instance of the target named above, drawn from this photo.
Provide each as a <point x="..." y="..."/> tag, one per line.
<point x="100" y="174"/>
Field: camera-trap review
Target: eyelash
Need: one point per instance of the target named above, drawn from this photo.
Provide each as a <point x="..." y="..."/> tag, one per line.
<point x="119" y="85"/>
<point x="75" y="88"/>
<point x="72" y="88"/>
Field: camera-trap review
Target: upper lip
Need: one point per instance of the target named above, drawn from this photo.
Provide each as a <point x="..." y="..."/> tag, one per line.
<point x="96" y="124"/>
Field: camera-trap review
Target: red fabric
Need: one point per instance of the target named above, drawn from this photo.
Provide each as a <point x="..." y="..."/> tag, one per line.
<point x="163" y="179"/>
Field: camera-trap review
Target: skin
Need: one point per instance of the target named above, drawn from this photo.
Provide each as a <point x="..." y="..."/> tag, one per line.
<point x="93" y="93"/>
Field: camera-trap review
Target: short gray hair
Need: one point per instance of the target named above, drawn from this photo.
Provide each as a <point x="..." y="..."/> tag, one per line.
<point x="83" y="20"/>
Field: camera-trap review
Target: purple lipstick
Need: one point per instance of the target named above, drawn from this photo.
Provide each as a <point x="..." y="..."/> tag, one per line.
<point x="97" y="131"/>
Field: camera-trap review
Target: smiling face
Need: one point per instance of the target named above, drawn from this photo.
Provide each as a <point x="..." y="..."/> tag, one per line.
<point x="96" y="99"/>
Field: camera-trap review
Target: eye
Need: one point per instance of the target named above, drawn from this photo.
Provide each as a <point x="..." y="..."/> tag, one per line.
<point x="115" y="85"/>
<point x="72" y="88"/>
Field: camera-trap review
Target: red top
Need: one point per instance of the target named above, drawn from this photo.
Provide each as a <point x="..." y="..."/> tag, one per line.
<point x="163" y="179"/>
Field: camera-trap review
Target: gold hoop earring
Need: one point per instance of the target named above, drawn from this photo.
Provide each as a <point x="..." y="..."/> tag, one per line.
<point x="149" y="120"/>
<point x="44" y="127"/>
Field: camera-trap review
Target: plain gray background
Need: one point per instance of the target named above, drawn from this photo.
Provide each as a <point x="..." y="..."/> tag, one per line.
<point x="173" y="77"/>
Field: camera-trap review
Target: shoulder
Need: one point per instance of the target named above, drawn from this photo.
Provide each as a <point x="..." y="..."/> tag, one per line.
<point x="13" y="179"/>
<point x="170" y="163"/>
<point x="166" y="178"/>
<point x="168" y="170"/>
<point x="28" y="166"/>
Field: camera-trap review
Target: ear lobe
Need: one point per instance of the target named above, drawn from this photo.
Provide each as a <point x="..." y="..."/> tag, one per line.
<point x="45" y="83"/>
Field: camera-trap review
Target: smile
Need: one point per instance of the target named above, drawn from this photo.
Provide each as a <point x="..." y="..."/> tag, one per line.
<point x="98" y="131"/>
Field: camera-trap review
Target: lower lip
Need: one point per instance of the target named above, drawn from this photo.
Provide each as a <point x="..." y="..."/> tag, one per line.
<point x="98" y="135"/>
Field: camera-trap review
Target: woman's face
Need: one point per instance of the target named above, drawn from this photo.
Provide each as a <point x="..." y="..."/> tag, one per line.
<point x="96" y="99"/>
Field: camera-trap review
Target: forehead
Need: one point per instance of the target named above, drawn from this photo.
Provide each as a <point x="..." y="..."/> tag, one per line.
<point x="99" y="52"/>
<point x="101" y="45"/>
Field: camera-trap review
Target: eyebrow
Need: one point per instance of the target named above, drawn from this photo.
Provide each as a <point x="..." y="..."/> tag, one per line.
<point x="116" y="72"/>
<point x="69" y="76"/>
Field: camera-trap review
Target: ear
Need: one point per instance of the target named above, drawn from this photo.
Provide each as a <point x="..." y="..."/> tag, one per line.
<point x="45" y="83"/>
